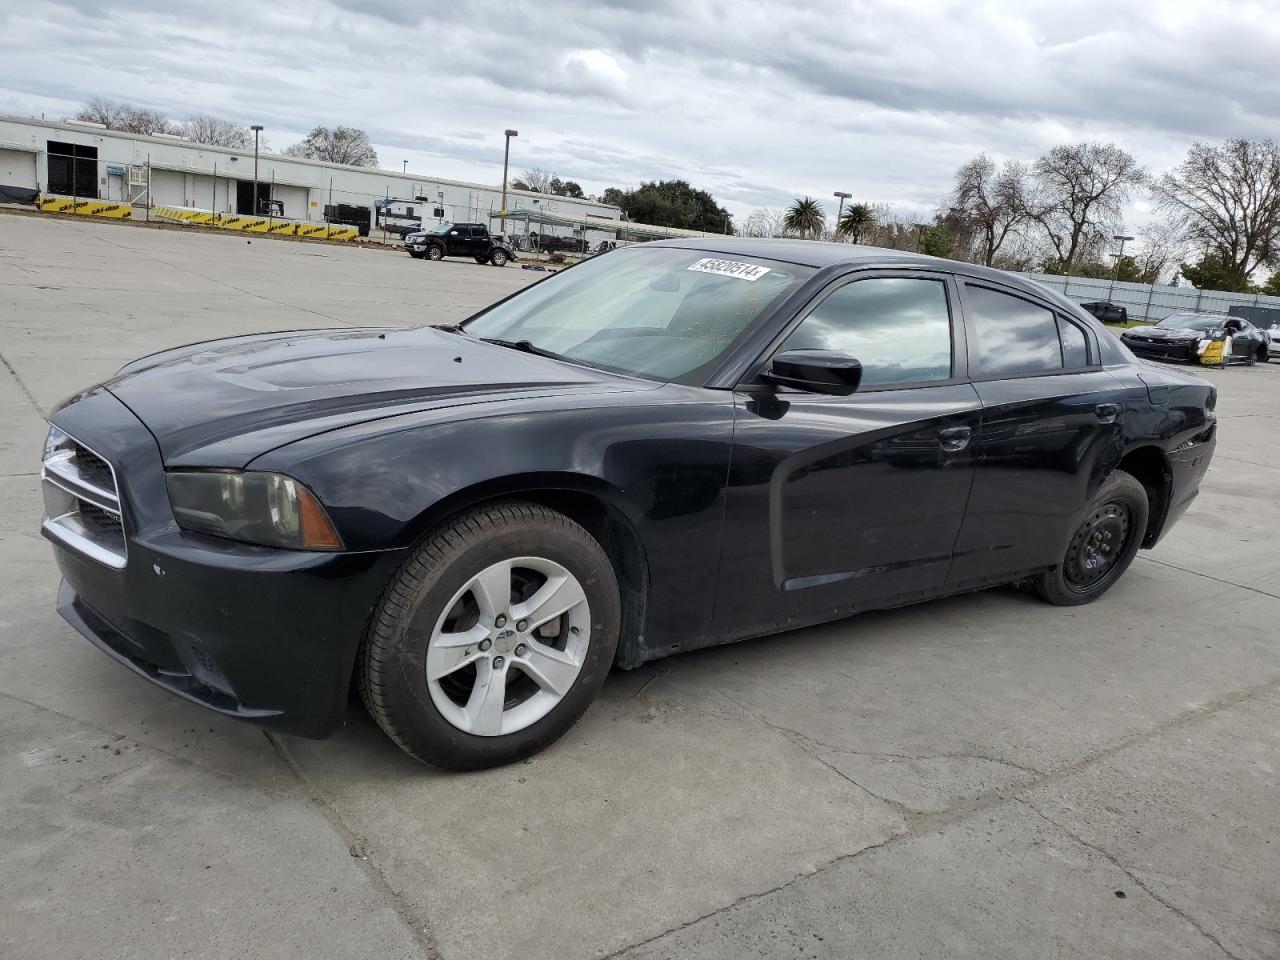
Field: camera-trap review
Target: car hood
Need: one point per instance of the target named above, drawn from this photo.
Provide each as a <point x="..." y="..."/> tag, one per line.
<point x="1163" y="333"/>
<point x="225" y="402"/>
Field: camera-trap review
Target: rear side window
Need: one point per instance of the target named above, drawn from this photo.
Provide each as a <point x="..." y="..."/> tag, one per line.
<point x="899" y="328"/>
<point x="1075" y="348"/>
<point x="1013" y="335"/>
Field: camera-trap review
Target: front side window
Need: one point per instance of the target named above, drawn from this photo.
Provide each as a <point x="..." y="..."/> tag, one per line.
<point x="665" y="313"/>
<point x="898" y="328"/>
<point x="1013" y="335"/>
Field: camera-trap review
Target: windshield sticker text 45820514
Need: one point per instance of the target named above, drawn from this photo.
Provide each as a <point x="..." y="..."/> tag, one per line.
<point x="730" y="268"/>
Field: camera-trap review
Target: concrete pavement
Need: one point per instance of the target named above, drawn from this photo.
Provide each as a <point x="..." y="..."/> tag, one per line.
<point x="985" y="776"/>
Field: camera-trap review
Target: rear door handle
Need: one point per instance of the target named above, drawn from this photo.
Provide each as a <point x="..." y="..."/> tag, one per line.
<point x="1107" y="412"/>
<point x="953" y="439"/>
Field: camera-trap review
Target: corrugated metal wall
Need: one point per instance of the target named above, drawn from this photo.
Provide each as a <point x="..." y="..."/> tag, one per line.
<point x="1145" y="300"/>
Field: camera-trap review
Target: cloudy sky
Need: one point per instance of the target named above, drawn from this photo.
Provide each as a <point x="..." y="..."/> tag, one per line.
<point x="759" y="102"/>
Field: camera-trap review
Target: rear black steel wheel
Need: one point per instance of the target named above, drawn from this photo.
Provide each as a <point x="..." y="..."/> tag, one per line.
<point x="1104" y="544"/>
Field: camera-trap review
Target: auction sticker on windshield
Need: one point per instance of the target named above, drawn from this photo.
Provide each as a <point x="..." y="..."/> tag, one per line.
<point x="730" y="268"/>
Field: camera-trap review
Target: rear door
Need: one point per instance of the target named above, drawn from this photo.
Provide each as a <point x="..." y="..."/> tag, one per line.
<point x="1050" y="431"/>
<point x="837" y="503"/>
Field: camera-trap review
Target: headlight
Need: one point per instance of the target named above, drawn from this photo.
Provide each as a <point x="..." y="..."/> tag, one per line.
<point x="269" y="509"/>
<point x="57" y="442"/>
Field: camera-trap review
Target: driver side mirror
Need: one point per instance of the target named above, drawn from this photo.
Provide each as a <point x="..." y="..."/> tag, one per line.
<point x="818" y="371"/>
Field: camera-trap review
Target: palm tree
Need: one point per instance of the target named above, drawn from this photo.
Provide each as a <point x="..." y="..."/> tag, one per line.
<point x="805" y="219"/>
<point x="855" y="220"/>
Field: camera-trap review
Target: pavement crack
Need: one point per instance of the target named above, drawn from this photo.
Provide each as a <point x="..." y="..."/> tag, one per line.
<point x="1137" y="880"/>
<point x="21" y="385"/>
<point x="749" y="897"/>
<point x="1209" y="576"/>
<point x="357" y="845"/>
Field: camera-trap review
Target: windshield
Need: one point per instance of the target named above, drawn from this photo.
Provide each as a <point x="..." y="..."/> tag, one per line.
<point x="658" y="312"/>
<point x="442" y="227"/>
<point x="1189" y="321"/>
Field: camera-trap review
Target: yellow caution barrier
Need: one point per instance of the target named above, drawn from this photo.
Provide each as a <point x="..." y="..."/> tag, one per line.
<point x="248" y="224"/>
<point x="84" y="207"/>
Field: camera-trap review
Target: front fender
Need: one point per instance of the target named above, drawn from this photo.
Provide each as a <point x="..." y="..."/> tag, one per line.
<point x="661" y="461"/>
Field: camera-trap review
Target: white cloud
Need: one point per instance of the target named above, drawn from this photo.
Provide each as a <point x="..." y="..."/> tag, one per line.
<point x="756" y="101"/>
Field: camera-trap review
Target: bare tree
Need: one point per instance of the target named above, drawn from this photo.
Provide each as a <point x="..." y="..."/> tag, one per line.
<point x="764" y="222"/>
<point x="110" y="113"/>
<point x="118" y="115"/>
<point x="204" y="128"/>
<point x="535" y="179"/>
<point x="337" y="145"/>
<point x="1160" y="248"/>
<point x="1227" y="199"/>
<point x="992" y="201"/>
<point x="1079" y="190"/>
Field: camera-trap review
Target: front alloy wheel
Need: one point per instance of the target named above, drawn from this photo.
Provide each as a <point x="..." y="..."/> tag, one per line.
<point x="509" y="646"/>
<point x="435" y="252"/>
<point x="493" y="638"/>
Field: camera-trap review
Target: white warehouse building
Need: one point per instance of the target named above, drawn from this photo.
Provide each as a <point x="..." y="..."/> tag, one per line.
<point x="79" y="159"/>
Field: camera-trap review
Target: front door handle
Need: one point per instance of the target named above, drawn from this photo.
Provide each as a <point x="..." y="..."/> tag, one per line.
<point x="1107" y="412"/>
<point x="954" y="439"/>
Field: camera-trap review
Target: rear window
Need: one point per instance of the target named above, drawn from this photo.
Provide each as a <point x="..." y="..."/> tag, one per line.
<point x="1013" y="335"/>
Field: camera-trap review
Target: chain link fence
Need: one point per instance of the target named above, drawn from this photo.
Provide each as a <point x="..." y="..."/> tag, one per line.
<point x="1146" y="301"/>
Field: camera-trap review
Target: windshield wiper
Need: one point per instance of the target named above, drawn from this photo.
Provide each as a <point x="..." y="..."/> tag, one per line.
<point x="526" y="346"/>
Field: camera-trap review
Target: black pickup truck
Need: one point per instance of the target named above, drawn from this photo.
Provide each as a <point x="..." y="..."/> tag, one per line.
<point x="459" y="240"/>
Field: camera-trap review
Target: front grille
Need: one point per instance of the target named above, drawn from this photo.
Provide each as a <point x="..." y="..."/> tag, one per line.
<point x="81" y="502"/>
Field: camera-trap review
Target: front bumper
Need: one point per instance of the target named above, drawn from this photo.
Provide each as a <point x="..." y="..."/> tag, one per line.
<point x="251" y="632"/>
<point x="1156" y="350"/>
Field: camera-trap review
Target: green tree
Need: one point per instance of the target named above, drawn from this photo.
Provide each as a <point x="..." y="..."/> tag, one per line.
<point x="1272" y="287"/>
<point x="855" y="222"/>
<point x="565" y="188"/>
<point x="674" y="203"/>
<point x="613" y="196"/>
<point x="337" y="145"/>
<point x="1214" y="272"/>
<point x="937" y="241"/>
<point x="805" y="219"/>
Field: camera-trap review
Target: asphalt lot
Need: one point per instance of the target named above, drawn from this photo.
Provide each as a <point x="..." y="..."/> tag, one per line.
<point x="985" y="776"/>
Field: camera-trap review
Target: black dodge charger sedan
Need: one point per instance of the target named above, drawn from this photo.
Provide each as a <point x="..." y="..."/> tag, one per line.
<point x="665" y="447"/>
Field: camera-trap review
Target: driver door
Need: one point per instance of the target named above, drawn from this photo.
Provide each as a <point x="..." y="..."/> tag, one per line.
<point x="456" y="242"/>
<point x="839" y="503"/>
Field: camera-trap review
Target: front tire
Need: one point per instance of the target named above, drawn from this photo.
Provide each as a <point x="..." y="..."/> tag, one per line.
<point x="493" y="639"/>
<point x="1103" y="545"/>
<point x="499" y="258"/>
<point x="435" y="252"/>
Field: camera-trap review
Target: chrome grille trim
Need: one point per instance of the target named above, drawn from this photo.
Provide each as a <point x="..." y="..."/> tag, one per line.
<point x="80" y="511"/>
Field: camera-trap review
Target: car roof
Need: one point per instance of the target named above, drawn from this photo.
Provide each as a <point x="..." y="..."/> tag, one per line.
<point x="821" y="254"/>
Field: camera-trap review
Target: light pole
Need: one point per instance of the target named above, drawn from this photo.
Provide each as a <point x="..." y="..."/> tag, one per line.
<point x="506" y="155"/>
<point x="1116" y="269"/>
<point x="840" y="213"/>
<point x="257" y="129"/>
<point x="405" y="168"/>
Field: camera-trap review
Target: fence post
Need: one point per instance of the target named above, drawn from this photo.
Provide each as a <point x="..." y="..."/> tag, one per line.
<point x="1151" y="292"/>
<point x="1199" y="295"/>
